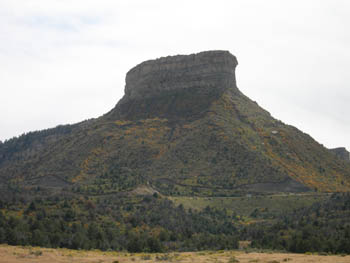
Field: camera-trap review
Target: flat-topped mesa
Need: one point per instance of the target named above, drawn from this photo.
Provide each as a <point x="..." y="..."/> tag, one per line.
<point x="207" y="70"/>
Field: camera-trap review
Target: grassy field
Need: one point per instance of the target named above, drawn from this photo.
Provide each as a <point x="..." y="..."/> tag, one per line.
<point x="268" y="205"/>
<point x="11" y="254"/>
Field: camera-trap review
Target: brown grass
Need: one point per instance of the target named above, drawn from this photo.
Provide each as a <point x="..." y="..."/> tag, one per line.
<point x="12" y="254"/>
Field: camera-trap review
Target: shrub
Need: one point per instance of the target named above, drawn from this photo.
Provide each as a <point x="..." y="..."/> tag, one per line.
<point x="233" y="259"/>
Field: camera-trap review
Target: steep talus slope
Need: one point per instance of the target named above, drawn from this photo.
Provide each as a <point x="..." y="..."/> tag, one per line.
<point x="182" y="128"/>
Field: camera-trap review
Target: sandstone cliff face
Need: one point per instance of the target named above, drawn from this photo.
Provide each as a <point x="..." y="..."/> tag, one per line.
<point x="176" y="87"/>
<point x="205" y="70"/>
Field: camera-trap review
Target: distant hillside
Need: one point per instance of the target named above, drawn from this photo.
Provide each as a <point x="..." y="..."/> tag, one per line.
<point x="182" y="128"/>
<point x="342" y="153"/>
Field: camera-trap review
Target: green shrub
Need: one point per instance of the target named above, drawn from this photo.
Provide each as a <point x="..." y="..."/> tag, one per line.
<point x="233" y="259"/>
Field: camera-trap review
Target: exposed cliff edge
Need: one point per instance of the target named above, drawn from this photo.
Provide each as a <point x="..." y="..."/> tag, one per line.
<point x="209" y="69"/>
<point x="176" y="87"/>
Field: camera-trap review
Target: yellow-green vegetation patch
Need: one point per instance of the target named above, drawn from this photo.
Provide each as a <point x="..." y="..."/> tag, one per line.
<point x="248" y="205"/>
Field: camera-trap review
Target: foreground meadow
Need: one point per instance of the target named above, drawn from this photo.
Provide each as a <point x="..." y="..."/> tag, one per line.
<point x="13" y="254"/>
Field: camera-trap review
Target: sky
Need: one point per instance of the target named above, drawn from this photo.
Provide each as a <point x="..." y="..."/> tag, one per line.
<point x="64" y="61"/>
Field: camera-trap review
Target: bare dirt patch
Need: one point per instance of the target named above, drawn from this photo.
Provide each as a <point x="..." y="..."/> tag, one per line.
<point x="12" y="254"/>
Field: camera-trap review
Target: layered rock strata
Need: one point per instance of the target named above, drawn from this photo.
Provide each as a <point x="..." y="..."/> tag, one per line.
<point x="205" y="70"/>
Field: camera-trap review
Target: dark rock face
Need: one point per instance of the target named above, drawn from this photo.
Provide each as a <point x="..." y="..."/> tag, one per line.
<point x="207" y="70"/>
<point x="342" y="153"/>
<point x="176" y="87"/>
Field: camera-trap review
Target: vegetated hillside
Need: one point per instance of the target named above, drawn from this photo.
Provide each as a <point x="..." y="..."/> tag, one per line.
<point x="324" y="226"/>
<point x="342" y="153"/>
<point x="154" y="224"/>
<point x="183" y="128"/>
<point x="133" y="223"/>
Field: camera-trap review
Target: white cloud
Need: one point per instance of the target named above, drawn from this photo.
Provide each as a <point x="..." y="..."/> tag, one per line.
<point x="64" y="61"/>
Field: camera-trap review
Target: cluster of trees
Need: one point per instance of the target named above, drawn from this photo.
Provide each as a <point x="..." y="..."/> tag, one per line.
<point x="151" y="224"/>
<point x="155" y="224"/>
<point x="323" y="227"/>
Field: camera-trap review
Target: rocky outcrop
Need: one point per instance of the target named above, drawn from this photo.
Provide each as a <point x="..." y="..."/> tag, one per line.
<point x="342" y="153"/>
<point x="205" y="70"/>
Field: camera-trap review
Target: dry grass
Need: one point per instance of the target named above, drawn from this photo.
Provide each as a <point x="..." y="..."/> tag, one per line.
<point x="11" y="254"/>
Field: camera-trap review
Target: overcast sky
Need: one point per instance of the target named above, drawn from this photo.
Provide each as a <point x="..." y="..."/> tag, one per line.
<point x="63" y="61"/>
